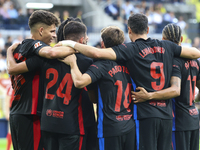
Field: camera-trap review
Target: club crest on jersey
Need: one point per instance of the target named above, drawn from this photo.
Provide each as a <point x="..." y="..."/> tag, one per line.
<point x="38" y="44"/>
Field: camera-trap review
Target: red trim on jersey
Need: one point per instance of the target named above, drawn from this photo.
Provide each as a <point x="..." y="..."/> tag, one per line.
<point x="35" y="93"/>
<point x="85" y="89"/>
<point x="80" y="142"/>
<point x="36" y="132"/>
<point x="80" y="115"/>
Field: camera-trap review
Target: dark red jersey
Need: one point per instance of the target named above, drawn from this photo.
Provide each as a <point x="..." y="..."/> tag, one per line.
<point x="150" y="65"/>
<point x="26" y="85"/>
<point x="186" y="115"/>
<point x="114" y="98"/>
<point x="62" y="109"/>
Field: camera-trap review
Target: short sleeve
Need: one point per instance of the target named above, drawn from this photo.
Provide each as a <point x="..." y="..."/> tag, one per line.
<point x="177" y="65"/>
<point x="37" y="45"/>
<point x="34" y="62"/>
<point x="96" y="71"/>
<point x="124" y="51"/>
<point x="177" y="50"/>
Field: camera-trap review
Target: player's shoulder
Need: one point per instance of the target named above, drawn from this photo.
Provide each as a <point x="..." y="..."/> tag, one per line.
<point x="83" y="58"/>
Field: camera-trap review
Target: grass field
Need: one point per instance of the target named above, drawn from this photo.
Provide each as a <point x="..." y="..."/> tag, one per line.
<point x="3" y="144"/>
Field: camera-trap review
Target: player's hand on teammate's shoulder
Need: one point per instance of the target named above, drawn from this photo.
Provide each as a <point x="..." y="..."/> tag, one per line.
<point x="69" y="60"/>
<point x="58" y="44"/>
<point x="141" y="96"/>
<point x="13" y="46"/>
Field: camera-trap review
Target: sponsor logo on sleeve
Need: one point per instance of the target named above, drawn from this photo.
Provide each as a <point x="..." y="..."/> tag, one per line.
<point x="38" y="44"/>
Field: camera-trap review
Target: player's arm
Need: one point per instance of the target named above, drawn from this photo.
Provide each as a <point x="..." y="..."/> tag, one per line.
<point x="7" y="108"/>
<point x="197" y="99"/>
<point x="190" y="52"/>
<point x="80" y="80"/>
<point x="13" y="67"/>
<point x="55" y="52"/>
<point x="173" y="91"/>
<point x="89" y="51"/>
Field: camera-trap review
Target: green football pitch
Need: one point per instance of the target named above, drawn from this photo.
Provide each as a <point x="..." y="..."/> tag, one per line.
<point x="3" y="144"/>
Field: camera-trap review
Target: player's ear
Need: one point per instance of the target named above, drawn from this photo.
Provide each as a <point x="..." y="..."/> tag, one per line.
<point x="163" y="38"/>
<point x="129" y="30"/>
<point x="181" y="39"/>
<point x="41" y="31"/>
<point x="81" y="40"/>
<point x="147" y="30"/>
<point x="102" y="44"/>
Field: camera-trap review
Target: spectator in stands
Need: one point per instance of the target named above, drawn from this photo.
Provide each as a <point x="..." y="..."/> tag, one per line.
<point x="65" y="15"/>
<point x="13" y="14"/>
<point x="2" y="42"/>
<point x="8" y="42"/>
<point x="169" y="17"/>
<point x="22" y="19"/>
<point x="18" y="39"/>
<point x="149" y="14"/>
<point x="29" y="12"/>
<point x="3" y="66"/>
<point x="79" y="14"/>
<point x="112" y="10"/>
<point x="127" y="7"/>
<point x="196" y="43"/>
<point x="182" y="24"/>
<point x="157" y="19"/>
<point x="57" y="13"/>
<point x="7" y="4"/>
<point x="3" y="13"/>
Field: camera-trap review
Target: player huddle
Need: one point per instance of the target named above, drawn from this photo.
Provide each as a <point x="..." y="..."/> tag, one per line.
<point x="132" y="84"/>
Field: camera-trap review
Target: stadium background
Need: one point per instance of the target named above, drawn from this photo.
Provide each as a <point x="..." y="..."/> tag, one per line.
<point x="96" y="14"/>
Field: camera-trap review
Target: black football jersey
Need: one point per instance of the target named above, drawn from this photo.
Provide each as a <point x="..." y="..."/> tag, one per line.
<point x="26" y="86"/>
<point x="150" y="65"/>
<point x="186" y="115"/>
<point x="114" y="97"/>
<point x="62" y="109"/>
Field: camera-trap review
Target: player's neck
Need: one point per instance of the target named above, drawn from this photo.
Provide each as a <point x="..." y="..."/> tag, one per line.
<point x="138" y="36"/>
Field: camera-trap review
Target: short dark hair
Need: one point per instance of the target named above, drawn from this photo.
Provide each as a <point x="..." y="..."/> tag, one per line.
<point x="44" y="17"/>
<point x="60" y="32"/>
<point x="112" y="36"/>
<point x="172" y="32"/>
<point x="74" y="30"/>
<point x="138" y="23"/>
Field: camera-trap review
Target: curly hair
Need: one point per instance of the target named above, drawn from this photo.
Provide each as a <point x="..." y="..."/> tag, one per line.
<point x="172" y="32"/>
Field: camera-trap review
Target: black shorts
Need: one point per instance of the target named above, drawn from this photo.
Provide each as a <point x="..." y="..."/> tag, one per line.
<point x="58" y="141"/>
<point x="90" y="138"/>
<point x="123" y="142"/>
<point x="185" y="140"/>
<point x="153" y="134"/>
<point x="25" y="132"/>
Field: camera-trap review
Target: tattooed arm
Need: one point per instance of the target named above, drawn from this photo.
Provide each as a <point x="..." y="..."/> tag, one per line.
<point x="173" y="91"/>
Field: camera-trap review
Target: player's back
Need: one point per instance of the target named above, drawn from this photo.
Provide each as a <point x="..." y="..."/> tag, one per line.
<point x="150" y="65"/>
<point x="62" y="110"/>
<point x="114" y="113"/>
<point x="183" y="105"/>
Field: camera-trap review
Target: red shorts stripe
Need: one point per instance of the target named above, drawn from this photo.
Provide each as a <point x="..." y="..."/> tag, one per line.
<point x="80" y="142"/>
<point x="80" y="115"/>
<point x="36" y="132"/>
